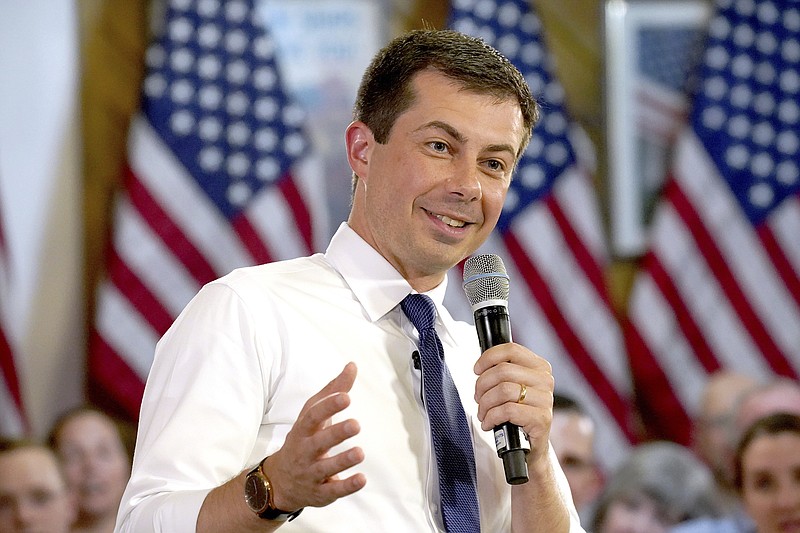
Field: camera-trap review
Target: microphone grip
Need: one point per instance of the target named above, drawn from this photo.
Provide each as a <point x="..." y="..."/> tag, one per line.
<point x="494" y="327"/>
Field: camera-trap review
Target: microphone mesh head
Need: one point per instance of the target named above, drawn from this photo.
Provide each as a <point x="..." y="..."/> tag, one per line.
<point x="485" y="279"/>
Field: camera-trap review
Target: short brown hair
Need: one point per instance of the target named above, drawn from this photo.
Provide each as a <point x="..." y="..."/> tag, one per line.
<point x="386" y="89"/>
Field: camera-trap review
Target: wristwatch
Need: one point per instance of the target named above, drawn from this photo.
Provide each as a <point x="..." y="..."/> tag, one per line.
<point x="259" y="496"/>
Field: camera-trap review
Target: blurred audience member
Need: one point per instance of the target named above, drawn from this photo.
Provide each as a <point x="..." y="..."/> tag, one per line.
<point x="572" y="435"/>
<point x="714" y="427"/>
<point x="767" y="473"/>
<point x="95" y="451"/>
<point x="779" y="395"/>
<point x="660" y="484"/>
<point x="33" y="492"/>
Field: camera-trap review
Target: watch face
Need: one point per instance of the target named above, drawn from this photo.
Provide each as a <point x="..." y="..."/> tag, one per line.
<point x="255" y="493"/>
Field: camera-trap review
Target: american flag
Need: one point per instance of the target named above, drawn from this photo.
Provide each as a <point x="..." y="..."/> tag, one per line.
<point x="720" y="284"/>
<point x="211" y="184"/>
<point x="550" y="236"/>
<point x="12" y="414"/>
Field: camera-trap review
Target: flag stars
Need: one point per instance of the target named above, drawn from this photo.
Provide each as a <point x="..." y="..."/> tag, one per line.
<point x="741" y="95"/>
<point x="294" y="144"/>
<point x="766" y="43"/>
<point x="765" y="73"/>
<point x="238" y="134"/>
<point x="182" y="60"/>
<point x="556" y="154"/>
<point x="155" y="57"/>
<point x="790" y="51"/>
<point x="210" y="159"/>
<point x="532" y="176"/>
<point x="266" y="108"/>
<point x="209" y="36"/>
<point x="267" y="169"/>
<point x="508" y="15"/>
<point x="235" y="11"/>
<point x="155" y="85"/>
<point x="761" y="195"/>
<point x="180" y="30"/>
<point x="208" y="8"/>
<point x="237" y="72"/>
<point x="768" y="13"/>
<point x="210" y="97"/>
<point x="209" y="67"/>
<point x="264" y="78"/>
<point x="239" y="193"/>
<point x="764" y="134"/>
<point x="788" y="143"/>
<point x="263" y="48"/>
<point x="717" y="57"/>
<point x="714" y="118"/>
<point x="237" y="104"/>
<point x="265" y="139"/>
<point x="739" y="127"/>
<point x="237" y="165"/>
<point x="209" y="129"/>
<point x="737" y="156"/>
<point x="293" y="115"/>
<point x="531" y="54"/>
<point x="789" y="112"/>
<point x="742" y="66"/>
<point x="181" y="5"/>
<point x="485" y="9"/>
<point x="791" y="20"/>
<point x="764" y="104"/>
<point x="762" y="165"/>
<point x="182" y="92"/>
<point x="789" y="82"/>
<point x="788" y="173"/>
<point x="182" y="122"/>
<point x="235" y="42"/>
<point x="508" y="45"/>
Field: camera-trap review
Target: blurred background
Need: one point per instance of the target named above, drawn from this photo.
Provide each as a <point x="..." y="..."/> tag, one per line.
<point x="130" y="176"/>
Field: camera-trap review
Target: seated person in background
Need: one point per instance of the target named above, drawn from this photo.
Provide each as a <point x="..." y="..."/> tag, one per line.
<point x="767" y="473"/>
<point x="33" y="493"/>
<point x="95" y="452"/>
<point x="572" y="436"/>
<point x="660" y="484"/>
<point x="779" y="395"/>
<point x="714" y="425"/>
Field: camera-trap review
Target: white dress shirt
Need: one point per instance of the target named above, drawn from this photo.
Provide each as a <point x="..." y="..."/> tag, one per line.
<point x="232" y="373"/>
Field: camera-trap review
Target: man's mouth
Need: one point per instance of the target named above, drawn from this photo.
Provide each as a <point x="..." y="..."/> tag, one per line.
<point x="453" y="223"/>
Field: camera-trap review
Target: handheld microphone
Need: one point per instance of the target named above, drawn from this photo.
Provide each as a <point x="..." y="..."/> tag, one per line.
<point x="486" y="284"/>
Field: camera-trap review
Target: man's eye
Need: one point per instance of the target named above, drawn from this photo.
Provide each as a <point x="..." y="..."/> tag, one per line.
<point x="494" y="164"/>
<point x="438" y="146"/>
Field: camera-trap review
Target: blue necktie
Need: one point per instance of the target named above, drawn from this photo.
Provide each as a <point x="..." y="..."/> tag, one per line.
<point x="452" y="443"/>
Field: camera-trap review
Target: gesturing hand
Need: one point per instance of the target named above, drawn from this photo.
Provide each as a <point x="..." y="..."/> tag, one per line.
<point x="302" y="472"/>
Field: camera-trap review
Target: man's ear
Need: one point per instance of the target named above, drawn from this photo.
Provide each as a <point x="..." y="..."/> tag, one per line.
<point x="359" y="142"/>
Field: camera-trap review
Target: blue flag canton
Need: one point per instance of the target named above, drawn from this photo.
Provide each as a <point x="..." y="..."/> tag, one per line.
<point x="668" y="55"/>
<point x="511" y="27"/>
<point x="747" y="112"/>
<point x="214" y="95"/>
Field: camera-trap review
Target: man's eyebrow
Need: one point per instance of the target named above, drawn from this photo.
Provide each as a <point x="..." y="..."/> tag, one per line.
<point x="454" y="133"/>
<point x="448" y="129"/>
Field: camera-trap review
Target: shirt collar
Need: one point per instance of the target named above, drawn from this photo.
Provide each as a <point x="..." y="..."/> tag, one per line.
<point x="374" y="281"/>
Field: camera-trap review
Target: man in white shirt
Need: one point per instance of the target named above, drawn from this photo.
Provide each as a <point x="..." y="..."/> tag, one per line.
<point x="292" y="384"/>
